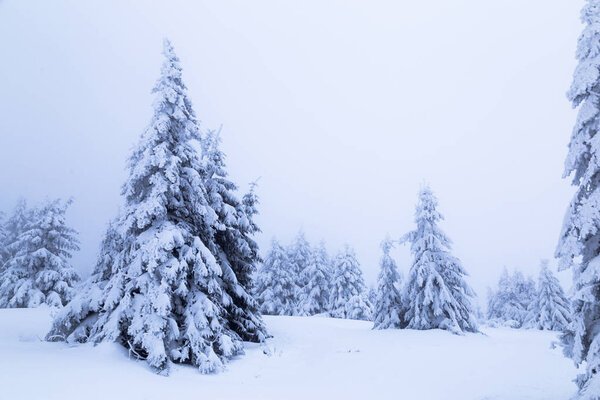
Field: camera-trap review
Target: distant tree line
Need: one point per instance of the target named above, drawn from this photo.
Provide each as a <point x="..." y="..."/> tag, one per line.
<point x="300" y="279"/>
<point x="518" y="303"/>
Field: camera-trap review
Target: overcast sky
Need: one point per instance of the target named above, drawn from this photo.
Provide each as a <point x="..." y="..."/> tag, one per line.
<point x="342" y="108"/>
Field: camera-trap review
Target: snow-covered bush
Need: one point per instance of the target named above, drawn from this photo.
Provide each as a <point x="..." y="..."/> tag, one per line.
<point x="37" y="268"/>
<point x="388" y="309"/>
<point x="579" y="243"/>
<point x="348" y="295"/>
<point x="172" y="281"/>
<point x="275" y="283"/>
<point x="510" y="304"/>
<point x="436" y="293"/>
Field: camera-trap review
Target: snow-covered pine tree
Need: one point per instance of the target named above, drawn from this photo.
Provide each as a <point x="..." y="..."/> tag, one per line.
<point x="3" y="250"/>
<point x="237" y="252"/>
<point x="314" y="295"/>
<point x="372" y="296"/>
<point x="299" y="257"/>
<point x="275" y="283"/>
<point x="388" y="308"/>
<point x="348" y="296"/>
<point x="38" y="270"/>
<point x="437" y="295"/>
<point x="161" y="285"/>
<point x="579" y="243"/>
<point x="511" y="303"/>
<point x="14" y="226"/>
<point x="550" y="310"/>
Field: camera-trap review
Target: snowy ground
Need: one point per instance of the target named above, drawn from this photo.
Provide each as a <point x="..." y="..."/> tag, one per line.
<point x="310" y="358"/>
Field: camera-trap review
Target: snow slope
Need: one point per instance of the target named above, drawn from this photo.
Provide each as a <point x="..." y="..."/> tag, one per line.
<point x="308" y="358"/>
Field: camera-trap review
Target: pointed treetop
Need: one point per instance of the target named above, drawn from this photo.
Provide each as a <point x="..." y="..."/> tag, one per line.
<point x="387" y="244"/>
<point x="545" y="265"/>
<point x="427" y="206"/>
<point x="171" y="67"/>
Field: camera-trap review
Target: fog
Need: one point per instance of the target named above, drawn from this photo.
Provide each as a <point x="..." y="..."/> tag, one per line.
<point x="341" y="108"/>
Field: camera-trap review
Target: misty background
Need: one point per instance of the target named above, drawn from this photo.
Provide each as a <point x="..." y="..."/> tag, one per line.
<point x="342" y="108"/>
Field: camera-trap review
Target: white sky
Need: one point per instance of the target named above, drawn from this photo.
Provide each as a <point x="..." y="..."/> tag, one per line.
<point x="343" y="108"/>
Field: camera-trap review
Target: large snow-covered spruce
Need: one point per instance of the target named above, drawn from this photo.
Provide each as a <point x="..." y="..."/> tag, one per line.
<point x="579" y="243"/>
<point x="550" y="310"/>
<point x="314" y="295"/>
<point x="167" y="285"/>
<point x="37" y="269"/>
<point x="511" y="304"/>
<point x="388" y="309"/>
<point x="275" y="283"/>
<point x="437" y="295"/>
<point x="348" y="297"/>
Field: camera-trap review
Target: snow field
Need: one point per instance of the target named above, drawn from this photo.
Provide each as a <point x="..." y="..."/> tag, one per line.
<point x="307" y="358"/>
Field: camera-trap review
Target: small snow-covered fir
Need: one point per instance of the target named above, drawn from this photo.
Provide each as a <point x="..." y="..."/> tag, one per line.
<point x="14" y="226"/>
<point x="275" y="283"/>
<point x="388" y="309"/>
<point x="37" y="269"/>
<point x="313" y="297"/>
<point x="550" y="310"/>
<point x="437" y="295"/>
<point x="348" y="297"/>
<point x="299" y="257"/>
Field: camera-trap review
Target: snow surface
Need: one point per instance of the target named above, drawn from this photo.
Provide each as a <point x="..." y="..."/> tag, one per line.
<point x="308" y="358"/>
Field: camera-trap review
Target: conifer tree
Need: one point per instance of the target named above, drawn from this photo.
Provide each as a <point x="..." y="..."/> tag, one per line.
<point x="3" y="250"/>
<point x="436" y="291"/>
<point x="372" y="296"/>
<point x="299" y="257"/>
<point x="164" y="280"/>
<point x="348" y="298"/>
<point x="314" y="295"/>
<point x="38" y="270"/>
<point x="511" y="303"/>
<point x="388" y="312"/>
<point x="237" y="252"/>
<point x="15" y="226"/>
<point x="579" y="243"/>
<point x="275" y="283"/>
<point x="550" y="310"/>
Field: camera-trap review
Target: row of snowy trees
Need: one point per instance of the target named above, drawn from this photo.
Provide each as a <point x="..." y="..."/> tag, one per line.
<point x="35" y="247"/>
<point x="435" y="294"/>
<point x="303" y="280"/>
<point x="518" y="303"/>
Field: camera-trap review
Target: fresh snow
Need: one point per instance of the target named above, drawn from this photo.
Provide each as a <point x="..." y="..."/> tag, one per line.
<point x="307" y="358"/>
